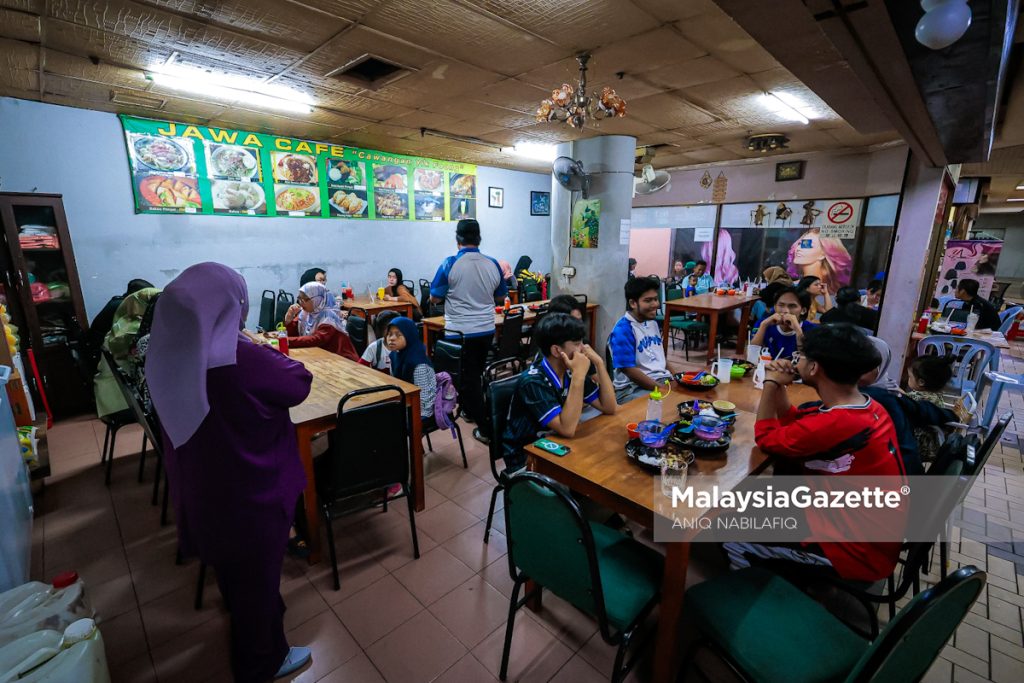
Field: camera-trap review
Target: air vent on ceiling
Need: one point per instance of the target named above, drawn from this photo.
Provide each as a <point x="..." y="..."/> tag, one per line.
<point x="133" y="100"/>
<point x="370" y="71"/>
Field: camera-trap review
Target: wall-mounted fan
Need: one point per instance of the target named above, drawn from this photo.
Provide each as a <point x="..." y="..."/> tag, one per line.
<point x="650" y="181"/>
<point x="570" y="174"/>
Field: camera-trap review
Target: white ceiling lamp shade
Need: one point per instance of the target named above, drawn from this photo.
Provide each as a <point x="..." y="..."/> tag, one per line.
<point x="944" y="22"/>
<point x="230" y="88"/>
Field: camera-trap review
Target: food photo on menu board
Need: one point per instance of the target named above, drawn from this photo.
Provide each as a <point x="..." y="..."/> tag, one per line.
<point x="462" y="207"/>
<point x="391" y="204"/>
<point x="429" y="206"/>
<point x="345" y="173"/>
<point x="348" y="203"/>
<point x="294" y="200"/>
<point x="428" y="180"/>
<point x="462" y="185"/>
<point x="232" y="162"/>
<point x="390" y="177"/>
<point x="158" y="192"/>
<point x="162" y="154"/>
<point x="294" y="168"/>
<point x="235" y="196"/>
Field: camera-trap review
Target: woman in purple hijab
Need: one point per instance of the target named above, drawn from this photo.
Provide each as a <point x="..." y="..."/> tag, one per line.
<point x="231" y="454"/>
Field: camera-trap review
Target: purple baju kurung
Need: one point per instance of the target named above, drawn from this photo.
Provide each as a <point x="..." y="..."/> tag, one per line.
<point x="235" y="483"/>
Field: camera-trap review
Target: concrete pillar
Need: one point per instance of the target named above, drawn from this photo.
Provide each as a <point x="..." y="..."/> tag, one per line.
<point x="600" y="273"/>
<point x="916" y="233"/>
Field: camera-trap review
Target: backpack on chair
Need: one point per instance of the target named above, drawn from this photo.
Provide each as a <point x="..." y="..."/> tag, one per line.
<point x="446" y="400"/>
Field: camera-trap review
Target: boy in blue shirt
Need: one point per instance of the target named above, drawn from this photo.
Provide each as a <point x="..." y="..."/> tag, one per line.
<point x="705" y="283"/>
<point x="638" y="355"/>
<point x="551" y="393"/>
<point x="783" y="331"/>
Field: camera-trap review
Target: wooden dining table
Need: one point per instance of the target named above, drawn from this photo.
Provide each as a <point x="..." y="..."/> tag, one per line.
<point x="712" y="305"/>
<point x="435" y="324"/>
<point x="598" y="468"/>
<point x="373" y="308"/>
<point x="333" y="377"/>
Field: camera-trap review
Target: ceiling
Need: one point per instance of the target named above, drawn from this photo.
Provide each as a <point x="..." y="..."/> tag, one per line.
<point x="691" y="76"/>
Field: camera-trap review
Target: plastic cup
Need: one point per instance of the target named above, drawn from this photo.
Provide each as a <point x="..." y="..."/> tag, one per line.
<point x="722" y="370"/>
<point x="753" y="353"/>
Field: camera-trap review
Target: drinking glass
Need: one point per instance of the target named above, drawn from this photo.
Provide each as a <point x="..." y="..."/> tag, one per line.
<point x="673" y="474"/>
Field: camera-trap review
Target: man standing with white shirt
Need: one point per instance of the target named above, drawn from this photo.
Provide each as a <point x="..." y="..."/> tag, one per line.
<point x="468" y="283"/>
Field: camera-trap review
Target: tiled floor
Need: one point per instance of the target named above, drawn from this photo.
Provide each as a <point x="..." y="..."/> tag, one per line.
<point x="440" y="617"/>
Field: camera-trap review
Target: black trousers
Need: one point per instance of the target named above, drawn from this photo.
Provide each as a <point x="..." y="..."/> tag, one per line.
<point x="474" y="359"/>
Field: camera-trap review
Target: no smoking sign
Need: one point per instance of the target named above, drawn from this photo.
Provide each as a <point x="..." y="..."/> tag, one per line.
<point x="840" y="212"/>
<point x="841" y="218"/>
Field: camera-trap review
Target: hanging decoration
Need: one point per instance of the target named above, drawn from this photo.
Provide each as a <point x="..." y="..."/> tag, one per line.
<point x="705" y="180"/>
<point x="575" y="107"/>
<point x="721" y="187"/>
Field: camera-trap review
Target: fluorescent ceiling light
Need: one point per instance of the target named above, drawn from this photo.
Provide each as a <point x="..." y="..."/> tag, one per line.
<point x="787" y="106"/>
<point x="1015" y="199"/>
<point x="532" y="150"/>
<point x="1021" y="186"/>
<point x="231" y="88"/>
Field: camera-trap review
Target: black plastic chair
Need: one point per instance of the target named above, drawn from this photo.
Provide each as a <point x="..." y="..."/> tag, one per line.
<point x="582" y="298"/>
<point x="429" y="310"/>
<point x="510" y="338"/>
<point x="368" y="452"/>
<point x="499" y="385"/>
<point x="410" y="285"/>
<point x="116" y="421"/>
<point x="357" y="328"/>
<point x="447" y="357"/>
<point x="284" y="302"/>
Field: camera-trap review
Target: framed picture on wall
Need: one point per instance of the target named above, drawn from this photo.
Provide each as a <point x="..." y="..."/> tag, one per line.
<point x="496" y="197"/>
<point x="789" y="170"/>
<point x="540" y="203"/>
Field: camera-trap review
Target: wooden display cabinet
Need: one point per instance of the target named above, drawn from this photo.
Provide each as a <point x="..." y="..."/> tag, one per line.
<point x="44" y="298"/>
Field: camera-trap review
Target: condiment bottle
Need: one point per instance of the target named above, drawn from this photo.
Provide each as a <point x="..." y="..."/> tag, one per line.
<point x="922" y="324"/>
<point x="654" y="404"/>
<point x="508" y="304"/>
<point x="760" y="371"/>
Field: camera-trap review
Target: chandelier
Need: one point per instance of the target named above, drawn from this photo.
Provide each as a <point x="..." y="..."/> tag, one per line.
<point x="575" y="107"/>
<point x="767" y="142"/>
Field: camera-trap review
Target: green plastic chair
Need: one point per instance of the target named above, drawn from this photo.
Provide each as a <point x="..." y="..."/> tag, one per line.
<point x="769" y="631"/>
<point x="600" y="571"/>
<point x="682" y="323"/>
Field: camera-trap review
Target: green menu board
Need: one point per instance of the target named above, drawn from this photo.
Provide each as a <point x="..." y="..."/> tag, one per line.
<point x="189" y="169"/>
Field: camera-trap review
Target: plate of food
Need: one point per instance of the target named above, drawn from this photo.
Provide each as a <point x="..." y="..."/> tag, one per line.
<point x="427" y="179"/>
<point x="343" y="172"/>
<point x="297" y="199"/>
<point x="463" y="185"/>
<point x="941" y="328"/>
<point x="295" y="168"/>
<point x="234" y="162"/>
<point x="348" y="203"/>
<point x="233" y="195"/>
<point x="160" y="153"/>
<point x="699" y="445"/>
<point x="164" y="191"/>
<point x="392" y="204"/>
<point x="697" y="381"/>
<point x="429" y="206"/>
<point x="650" y="458"/>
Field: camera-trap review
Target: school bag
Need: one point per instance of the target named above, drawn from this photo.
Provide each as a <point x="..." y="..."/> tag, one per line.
<point x="445" y="402"/>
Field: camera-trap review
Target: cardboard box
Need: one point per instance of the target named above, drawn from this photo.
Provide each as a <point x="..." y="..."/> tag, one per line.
<point x="19" y="401"/>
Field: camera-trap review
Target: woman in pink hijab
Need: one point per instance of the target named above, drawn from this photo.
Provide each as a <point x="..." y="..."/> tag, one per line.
<point x="231" y="455"/>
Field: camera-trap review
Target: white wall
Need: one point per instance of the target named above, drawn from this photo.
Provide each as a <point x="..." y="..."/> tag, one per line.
<point x="81" y="154"/>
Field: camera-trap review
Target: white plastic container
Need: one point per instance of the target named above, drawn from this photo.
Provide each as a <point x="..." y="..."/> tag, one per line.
<point x="972" y="321"/>
<point x="75" y="656"/>
<point x="36" y="606"/>
<point x="654" y="405"/>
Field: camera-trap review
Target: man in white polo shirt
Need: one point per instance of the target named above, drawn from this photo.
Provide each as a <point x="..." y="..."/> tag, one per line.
<point x="468" y="283"/>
